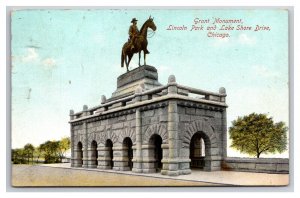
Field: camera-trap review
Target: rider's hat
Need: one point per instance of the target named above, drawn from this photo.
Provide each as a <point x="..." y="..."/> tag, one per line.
<point x="133" y="20"/>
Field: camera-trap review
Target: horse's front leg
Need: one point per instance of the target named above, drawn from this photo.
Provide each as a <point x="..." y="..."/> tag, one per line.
<point x="144" y="58"/>
<point x="126" y="62"/>
<point x="139" y="58"/>
<point x="129" y="58"/>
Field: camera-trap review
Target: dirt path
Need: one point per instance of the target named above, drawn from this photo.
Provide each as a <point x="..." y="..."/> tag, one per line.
<point x="28" y="175"/>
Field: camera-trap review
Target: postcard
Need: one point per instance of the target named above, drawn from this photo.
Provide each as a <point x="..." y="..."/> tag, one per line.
<point x="149" y="97"/>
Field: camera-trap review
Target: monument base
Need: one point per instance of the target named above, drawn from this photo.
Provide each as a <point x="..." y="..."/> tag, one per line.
<point x="146" y="76"/>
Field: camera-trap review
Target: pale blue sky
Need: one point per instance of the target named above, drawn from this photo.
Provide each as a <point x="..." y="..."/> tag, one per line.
<point x="63" y="59"/>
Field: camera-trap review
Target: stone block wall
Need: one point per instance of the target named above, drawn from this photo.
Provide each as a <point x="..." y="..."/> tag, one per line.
<point x="259" y="165"/>
<point x="115" y="128"/>
<point x="175" y="122"/>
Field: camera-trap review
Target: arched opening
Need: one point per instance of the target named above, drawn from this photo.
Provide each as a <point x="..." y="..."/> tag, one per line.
<point x="127" y="143"/>
<point x="109" y="151"/>
<point x="94" y="153"/>
<point x="197" y="151"/>
<point x="79" y="154"/>
<point x="156" y="141"/>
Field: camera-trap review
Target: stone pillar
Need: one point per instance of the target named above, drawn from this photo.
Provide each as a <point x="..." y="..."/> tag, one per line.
<point x="104" y="158"/>
<point x="212" y="163"/>
<point x="103" y="99"/>
<point x="173" y="121"/>
<point x="72" y="138"/>
<point x="72" y="152"/>
<point x="92" y="158"/>
<point x="137" y="165"/>
<point x="148" y="158"/>
<point x="85" y="110"/>
<point x="120" y="159"/>
<point x="165" y="164"/>
<point x="224" y="132"/>
<point x="222" y="90"/>
<point x="85" y="147"/>
<point x="71" y="114"/>
<point x="77" y="160"/>
<point x="134" y="158"/>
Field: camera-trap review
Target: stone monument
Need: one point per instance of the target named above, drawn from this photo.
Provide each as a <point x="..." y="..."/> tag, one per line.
<point x="148" y="127"/>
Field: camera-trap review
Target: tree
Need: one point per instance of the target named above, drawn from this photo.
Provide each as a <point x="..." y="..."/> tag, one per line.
<point x="18" y="156"/>
<point x="256" y="134"/>
<point x="50" y="151"/>
<point x="29" y="149"/>
<point x="63" y="145"/>
<point x="37" y="153"/>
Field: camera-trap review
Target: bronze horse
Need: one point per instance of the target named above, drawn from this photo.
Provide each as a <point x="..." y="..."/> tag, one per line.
<point x="140" y="44"/>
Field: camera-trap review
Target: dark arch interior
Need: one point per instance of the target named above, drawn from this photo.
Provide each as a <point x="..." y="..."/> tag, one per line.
<point x="197" y="151"/>
<point x="80" y="152"/>
<point x="109" y="145"/>
<point x="128" y="144"/>
<point x="156" y="140"/>
<point x="94" y="151"/>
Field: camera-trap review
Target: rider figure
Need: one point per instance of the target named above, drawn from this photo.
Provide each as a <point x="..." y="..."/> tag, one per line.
<point x="133" y="32"/>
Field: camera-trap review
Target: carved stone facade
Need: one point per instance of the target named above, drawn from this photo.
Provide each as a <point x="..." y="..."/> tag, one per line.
<point x="147" y="127"/>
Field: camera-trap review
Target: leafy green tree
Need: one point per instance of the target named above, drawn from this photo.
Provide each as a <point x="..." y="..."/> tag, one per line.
<point x="63" y="145"/>
<point x="29" y="149"/>
<point x="256" y="134"/>
<point x="50" y="151"/>
<point x="37" y="154"/>
<point x="18" y="156"/>
<point x="14" y="155"/>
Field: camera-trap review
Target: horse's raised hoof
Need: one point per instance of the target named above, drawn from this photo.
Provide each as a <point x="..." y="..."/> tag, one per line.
<point x="147" y="52"/>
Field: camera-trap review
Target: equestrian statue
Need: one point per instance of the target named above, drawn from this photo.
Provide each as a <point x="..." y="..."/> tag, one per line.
<point x="137" y="42"/>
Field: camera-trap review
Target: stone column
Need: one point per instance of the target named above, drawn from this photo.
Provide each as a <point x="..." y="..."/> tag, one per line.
<point x="77" y="161"/>
<point x="104" y="158"/>
<point x="120" y="158"/>
<point x="148" y="158"/>
<point x="164" y="161"/>
<point x="137" y="165"/>
<point x="173" y="138"/>
<point x="224" y="132"/>
<point x="85" y="147"/>
<point x="92" y="159"/>
<point x="72" y="138"/>
<point x="173" y="121"/>
<point x="72" y="151"/>
<point x="222" y="90"/>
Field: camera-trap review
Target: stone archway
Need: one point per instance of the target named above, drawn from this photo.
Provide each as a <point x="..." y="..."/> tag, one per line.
<point x="109" y="154"/>
<point x="204" y="129"/>
<point x="159" y="129"/>
<point x="93" y="154"/>
<point x="155" y="151"/>
<point x="197" y="151"/>
<point x="128" y="153"/>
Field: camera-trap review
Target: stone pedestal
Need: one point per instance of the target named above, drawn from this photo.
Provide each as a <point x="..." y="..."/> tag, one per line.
<point x="146" y="76"/>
